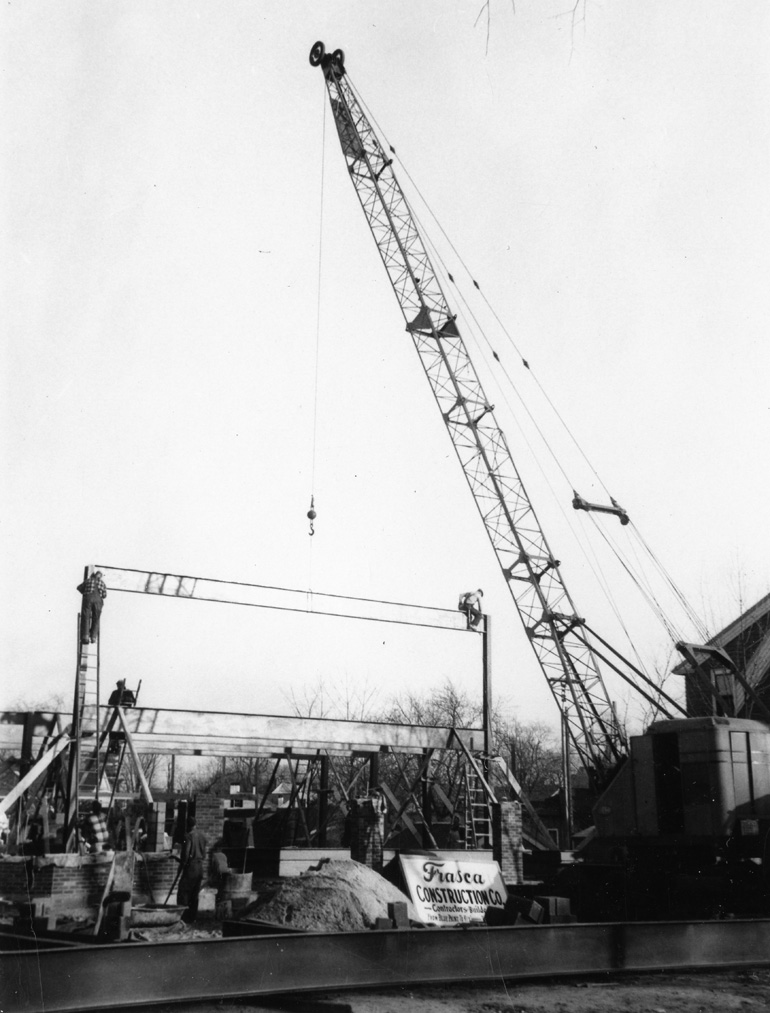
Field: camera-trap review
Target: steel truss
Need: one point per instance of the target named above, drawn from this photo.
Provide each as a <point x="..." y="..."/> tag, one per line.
<point x="530" y="568"/>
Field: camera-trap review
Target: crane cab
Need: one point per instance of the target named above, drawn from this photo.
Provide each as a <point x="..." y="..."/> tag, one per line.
<point x="695" y="781"/>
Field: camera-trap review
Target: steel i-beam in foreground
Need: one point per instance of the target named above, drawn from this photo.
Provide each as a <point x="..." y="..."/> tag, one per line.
<point x="109" y="976"/>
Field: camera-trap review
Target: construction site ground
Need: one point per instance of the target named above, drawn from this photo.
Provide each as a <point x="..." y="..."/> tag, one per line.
<point x="698" y="992"/>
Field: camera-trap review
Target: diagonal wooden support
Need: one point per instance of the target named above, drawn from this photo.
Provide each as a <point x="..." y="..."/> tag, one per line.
<point x="135" y="757"/>
<point x="295" y="800"/>
<point x="418" y="806"/>
<point x="479" y="772"/>
<point x="544" y="837"/>
<point x="401" y="810"/>
<point x="34" y="773"/>
<point x="405" y="819"/>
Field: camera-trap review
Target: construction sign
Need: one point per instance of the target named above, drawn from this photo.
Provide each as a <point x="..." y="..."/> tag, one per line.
<point x="449" y="891"/>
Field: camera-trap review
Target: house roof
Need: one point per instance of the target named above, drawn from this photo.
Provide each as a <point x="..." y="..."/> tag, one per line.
<point x="747" y="641"/>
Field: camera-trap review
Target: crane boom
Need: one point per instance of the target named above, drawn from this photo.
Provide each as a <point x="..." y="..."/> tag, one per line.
<point x="530" y="568"/>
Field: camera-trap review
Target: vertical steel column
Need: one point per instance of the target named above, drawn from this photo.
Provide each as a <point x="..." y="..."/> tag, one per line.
<point x="428" y="840"/>
<point x="567" y="821"/>
<point x="73" y="767"/>
<point x="323" y="802"/>
<point x="487" y="684"/>
<point x="374" y="771"/>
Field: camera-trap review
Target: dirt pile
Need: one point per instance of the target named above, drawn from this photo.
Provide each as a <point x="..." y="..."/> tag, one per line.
<point x="337" y="897"/>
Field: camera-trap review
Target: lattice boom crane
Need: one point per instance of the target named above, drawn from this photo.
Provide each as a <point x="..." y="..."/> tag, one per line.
<point x="530" y="568"/>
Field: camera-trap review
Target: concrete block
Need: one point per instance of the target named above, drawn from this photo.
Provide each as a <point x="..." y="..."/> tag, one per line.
<point x="555" y="909"/>
<point x="529" y="910"/>
<point x="399" y="914"/>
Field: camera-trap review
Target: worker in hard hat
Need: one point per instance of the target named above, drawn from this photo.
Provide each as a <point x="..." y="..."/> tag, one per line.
<point x="470" y="603"/>
<point x="94" y="591"/>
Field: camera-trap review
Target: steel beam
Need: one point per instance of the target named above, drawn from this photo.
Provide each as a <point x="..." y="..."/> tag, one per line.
<point x="256" y="595"/>
<point x="111" y="976"/>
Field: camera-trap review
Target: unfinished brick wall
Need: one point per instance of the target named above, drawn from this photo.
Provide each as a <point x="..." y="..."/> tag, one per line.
<point x="367" y="832"/>
<point x="210" y="818"/>
<point x="70" y="882"/>
<point x="76" y="882"/>
<point x="154" y="875"/>
<point x="508" y="841"/>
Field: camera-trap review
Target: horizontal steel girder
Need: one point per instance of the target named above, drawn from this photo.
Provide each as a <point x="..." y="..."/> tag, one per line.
<point x="209" y="733"/>
<point x="172" y="585"/>
<point x="109" y="976"/>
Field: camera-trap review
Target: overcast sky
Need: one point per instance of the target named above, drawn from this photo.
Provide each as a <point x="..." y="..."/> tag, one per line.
<point x="169" y="207"/>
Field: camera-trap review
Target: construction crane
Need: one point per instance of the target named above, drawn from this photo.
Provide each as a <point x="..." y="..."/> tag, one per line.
<point x="553" y="625"/>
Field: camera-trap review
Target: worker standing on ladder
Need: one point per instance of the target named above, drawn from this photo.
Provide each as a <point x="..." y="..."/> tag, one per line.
<point x="94" y="591"/>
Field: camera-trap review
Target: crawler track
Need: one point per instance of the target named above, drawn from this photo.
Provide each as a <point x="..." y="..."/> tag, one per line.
<point x="66" y="977"/>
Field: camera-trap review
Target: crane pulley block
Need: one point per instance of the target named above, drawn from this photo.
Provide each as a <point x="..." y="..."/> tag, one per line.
<point x="581" y="504"/>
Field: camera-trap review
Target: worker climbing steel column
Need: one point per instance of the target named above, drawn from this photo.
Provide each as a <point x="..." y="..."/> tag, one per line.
<point x="94" y="591"/>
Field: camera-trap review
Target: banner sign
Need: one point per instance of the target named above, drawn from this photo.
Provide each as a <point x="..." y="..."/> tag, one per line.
<point x="452" y="891"/>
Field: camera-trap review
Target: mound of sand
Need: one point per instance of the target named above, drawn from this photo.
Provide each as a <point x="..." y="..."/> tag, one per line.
<point x="337" y="897"/>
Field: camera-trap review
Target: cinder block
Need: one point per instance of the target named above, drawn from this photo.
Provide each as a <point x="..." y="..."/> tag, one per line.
<point x="398" y="913"/>
<point x="529" y="910"/>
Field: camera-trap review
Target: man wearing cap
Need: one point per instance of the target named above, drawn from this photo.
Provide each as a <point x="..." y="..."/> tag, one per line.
<point x="470" y="603"/>
<point x="94" y="591"/>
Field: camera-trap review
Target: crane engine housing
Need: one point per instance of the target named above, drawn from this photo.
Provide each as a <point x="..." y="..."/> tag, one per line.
<point x="683" y="830"/>
<point x="691" y="782"/>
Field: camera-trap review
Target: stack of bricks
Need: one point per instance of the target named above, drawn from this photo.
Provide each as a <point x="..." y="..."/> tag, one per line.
<point x="210" y="818"/>
<point x="367" y="832"/>
<point x="508" y="841"/>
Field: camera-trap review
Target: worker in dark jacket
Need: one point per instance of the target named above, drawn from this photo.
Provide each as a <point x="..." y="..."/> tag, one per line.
<point x="192" y="858"/>
<point x="120" y="696"/>
<point x="94" y="591"/>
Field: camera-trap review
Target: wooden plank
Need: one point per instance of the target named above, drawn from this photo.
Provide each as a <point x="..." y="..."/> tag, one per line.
<point x="33" y="774"/>
<point x="135" y="757"/>
<point x="211" y="733"/>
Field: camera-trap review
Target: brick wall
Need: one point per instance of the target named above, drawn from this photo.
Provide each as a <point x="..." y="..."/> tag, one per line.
<point x="210" y="818"/>
<point x="161" y="871"/>
<point x="367" y="832"/>
<point x="70" y="882"/>
<point x="507" y="841"/>
<point x="76" y="882"/>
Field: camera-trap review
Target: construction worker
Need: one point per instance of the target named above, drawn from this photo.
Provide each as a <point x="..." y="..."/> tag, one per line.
<point x="122" y="697"/>
<point x="94" y="591"/>
<point x="96" y="830"/>
<point x="191" y="860"/>
<point x="470" y="603"/>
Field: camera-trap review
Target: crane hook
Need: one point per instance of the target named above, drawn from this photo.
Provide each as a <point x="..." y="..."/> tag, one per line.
<point x="312" y="515"/>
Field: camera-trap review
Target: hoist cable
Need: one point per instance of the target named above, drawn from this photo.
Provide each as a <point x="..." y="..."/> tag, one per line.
<point x="311" y="514"/>
<point x="593" y="564"/>
<point x="693" y="616"/>
<point x="648" y="595"/>
<point x="489" y="306"/>
<point x="592" y="560"/>
<point x="636" y="572"/>
<point x="480" y="331"/>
